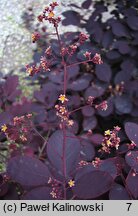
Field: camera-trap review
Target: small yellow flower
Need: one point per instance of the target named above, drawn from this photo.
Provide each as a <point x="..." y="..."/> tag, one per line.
<point x="70" y="123"/>
<point x="62" y="98"/>
<point x="51" y="14"/>
<point x="108" y="142"/>
<point x="107" y="132"/>
<point x="30" y="70"/>
<point x="4" y="128"/>
<point x="71" y="183"/>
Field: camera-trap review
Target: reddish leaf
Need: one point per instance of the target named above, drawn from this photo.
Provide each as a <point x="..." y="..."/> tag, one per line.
<point x="132" y="159"/>
<point x="40" y="193"/>
<point x="56" y="155"/>
<point x="131" y="130"/>
<point x="90" y="186"/>
<point x="118" y="192"/>
<point x="132" y="183"/>
<point x="28" y="171"/>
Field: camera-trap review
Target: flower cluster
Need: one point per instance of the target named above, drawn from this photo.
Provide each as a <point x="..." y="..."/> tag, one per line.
<point x="49" y="15"/>
<point x="71" y="183"/>
<point x="31" y="70"/>
<point x="102" y="106"/>
<point x="82" y="38"/>
<point x="97" y="59"/>
<point x="110" y="140"/>
<point x="117" y="90"/>
<point x="96" y="162"/>
<point x="62" y="111"/>
<point x="45" y="64"/>
<point x="56" y="192"/>
<point x="19" y="130"/>
<point x="132" y="145"/>
<point x="35" y="36"/>
<point x="83" y="163"/>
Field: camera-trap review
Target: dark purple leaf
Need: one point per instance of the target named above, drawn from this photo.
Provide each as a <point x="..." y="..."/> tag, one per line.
<point x="131" y="130"/>
<point x="3" y="186"/>
<point x="12" y="193"/>
<point x="71" y="18"/>
<point x="90" y="186"/>
<point x="89" y="123"/>
<point x="132" y="183"/>
<point x="122" y="76"/>
<point x="132" y="159"/>
<point x="107" y="39"/>
<point x="122" y="46"/>
<point x="56" y="77"/>
<point x="132" y="22"/>
<point x="103" y="72"/>
<point x="56" y="155"/>
<point x="40" y="193"/>
<point x="127" y="65"/>
<point x="97" y="139"/>
<point x="79" y="84"/>
<point x="94" y="91"/>
<point x="5" y="118"/>
<point x="119" y="29"/>
<point x="123" y="104"/>
<point x="108" y="166"/>
<point x="10" y="85"/>
<point x="113" y="55"/>
<point x="73" y="71"/>
<point x="118" y="192"/>
<point x="86" y="4"/>
<point x="87" y="151"/>
<point x="28" y="171"/>
<point x="88" y="111"/>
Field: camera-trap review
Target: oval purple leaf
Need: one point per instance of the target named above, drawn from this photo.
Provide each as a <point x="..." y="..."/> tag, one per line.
<point x="28" y="171"/>
<point x="64" y="162"/>
<point x="118" y="192"/>
<point x="40" y="193"/>
<point x="103" y="72"/>
<point x="90" y="186"/>
<point x="132" y="159"/>
<point x="132" y="183"/>
<point x="131" y="130"/>
<point x="87" y="151"/>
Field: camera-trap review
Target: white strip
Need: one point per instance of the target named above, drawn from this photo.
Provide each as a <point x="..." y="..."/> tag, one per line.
<point x="71" y="207"/>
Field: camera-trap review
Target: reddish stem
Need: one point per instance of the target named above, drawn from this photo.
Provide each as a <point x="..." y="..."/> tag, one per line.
<point x="78" y="109"/>
<point x="77" y="63"/>
<point x="63" y="124"/>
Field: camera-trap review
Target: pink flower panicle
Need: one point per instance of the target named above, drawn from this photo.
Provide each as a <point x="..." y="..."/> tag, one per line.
<point x="111" y="140"/>
<point x="35" y="36"/>
<point x="32" y="70"/>
<point x="90" y="100"/>
<point x="49" y="15"/>
<point x="131" y="146"/>
<point x="44" y="64"/>
<point x="56" y="192"/>
<point x="102" y="106"/>
<point x="20" y="129"/>
<point x="62" y="111"/>
<point x="83" y="37"/>
<point x="83" y="163"/>
<point x="87" y="55"/>
<point x="96" y="162"/>
<point x="97" y="59"/>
